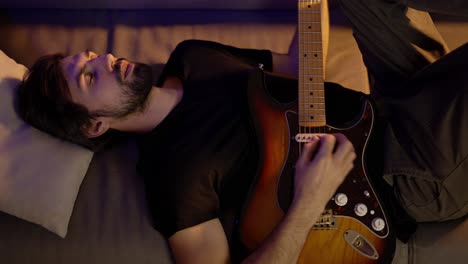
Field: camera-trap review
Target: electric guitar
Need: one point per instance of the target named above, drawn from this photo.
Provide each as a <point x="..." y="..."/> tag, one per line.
<point x="354" y="227"/>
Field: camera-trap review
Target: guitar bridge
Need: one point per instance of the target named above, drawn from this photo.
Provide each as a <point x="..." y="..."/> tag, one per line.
<point x="326" y="221"/>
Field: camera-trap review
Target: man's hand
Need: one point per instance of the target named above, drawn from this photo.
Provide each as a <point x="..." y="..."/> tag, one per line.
<point x="324" y="163"/>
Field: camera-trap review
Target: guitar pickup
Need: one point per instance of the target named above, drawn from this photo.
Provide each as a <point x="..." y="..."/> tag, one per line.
<point x="304" y="138"/>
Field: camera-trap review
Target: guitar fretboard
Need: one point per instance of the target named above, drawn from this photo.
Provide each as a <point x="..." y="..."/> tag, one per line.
<point x="311" y="79"/>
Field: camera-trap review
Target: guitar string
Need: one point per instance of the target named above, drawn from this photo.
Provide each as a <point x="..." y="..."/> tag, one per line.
<point x="308" y="129"/>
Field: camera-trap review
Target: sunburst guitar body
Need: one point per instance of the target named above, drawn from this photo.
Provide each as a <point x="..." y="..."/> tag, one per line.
<point x="354" y="227"/>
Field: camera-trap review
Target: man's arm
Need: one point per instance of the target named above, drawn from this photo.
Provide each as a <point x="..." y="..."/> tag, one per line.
<point x="319" y="171"/>
<point x="287" y="63"/>
<point x="203" y="243"/>
<point x="207" y="243"/>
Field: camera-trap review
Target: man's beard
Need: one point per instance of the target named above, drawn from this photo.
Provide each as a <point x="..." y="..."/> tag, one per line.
<point x="135" y="93"/>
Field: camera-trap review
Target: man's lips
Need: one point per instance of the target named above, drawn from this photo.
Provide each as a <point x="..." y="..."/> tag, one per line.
<point x="126" y="69"/>
<point x="129" y="69"/>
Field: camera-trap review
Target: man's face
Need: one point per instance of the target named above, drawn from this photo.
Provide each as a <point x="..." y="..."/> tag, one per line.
<point x="107" y="86"/>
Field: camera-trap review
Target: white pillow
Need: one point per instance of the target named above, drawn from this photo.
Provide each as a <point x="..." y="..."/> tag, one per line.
<point x="40" y="175"/>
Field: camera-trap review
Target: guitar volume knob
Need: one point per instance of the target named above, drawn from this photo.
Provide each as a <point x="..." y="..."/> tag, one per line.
<point x="360" y="209"/>
<point x="341" y="199"/>
<point x="378" y="224"/>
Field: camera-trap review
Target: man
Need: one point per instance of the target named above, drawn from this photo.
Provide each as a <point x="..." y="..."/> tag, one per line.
<point x="196" y="116"/>
<point x="198" y="155"/>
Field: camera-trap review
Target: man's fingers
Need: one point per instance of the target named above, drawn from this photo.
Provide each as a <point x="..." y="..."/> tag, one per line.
<point x="344" y="152"/>
<point x="344" y="147"/>
<point x="308" y="151"/>
<point x="350" y="157"/>
<point x="326" y="146"/>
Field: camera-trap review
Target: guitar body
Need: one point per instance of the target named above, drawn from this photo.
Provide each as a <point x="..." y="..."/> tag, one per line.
<point x="341" y="236"/>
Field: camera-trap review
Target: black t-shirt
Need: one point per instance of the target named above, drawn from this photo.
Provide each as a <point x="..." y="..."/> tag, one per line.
<point x="198" y="163"/>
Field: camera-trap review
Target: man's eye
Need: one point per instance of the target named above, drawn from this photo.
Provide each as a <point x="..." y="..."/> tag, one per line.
<point x="91" y="55"/>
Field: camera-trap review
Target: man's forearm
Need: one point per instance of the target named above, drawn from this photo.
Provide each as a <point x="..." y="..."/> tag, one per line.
<point x="285" y="243"/>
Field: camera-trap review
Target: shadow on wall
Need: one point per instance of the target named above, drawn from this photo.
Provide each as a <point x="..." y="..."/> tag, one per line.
<point x="108" y="17"/>
<point x="17" y="26"/>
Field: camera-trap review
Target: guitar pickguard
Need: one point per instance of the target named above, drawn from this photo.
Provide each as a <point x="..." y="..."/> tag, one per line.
<point x="355" y="198"/>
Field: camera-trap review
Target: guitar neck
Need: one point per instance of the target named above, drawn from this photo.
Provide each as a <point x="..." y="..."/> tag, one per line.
<point x="311" y="79"/>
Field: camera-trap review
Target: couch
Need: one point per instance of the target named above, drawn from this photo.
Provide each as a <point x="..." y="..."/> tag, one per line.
<point x="110" y="222"/>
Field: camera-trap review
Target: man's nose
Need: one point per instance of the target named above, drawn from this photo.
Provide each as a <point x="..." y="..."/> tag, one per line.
<point x="110" y="61"/>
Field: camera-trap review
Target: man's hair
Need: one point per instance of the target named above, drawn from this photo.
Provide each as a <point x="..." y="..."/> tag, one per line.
<point x="44" y="101"/>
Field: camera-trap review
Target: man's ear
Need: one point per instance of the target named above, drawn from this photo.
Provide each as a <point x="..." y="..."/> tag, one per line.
<point x="98" y="127"/>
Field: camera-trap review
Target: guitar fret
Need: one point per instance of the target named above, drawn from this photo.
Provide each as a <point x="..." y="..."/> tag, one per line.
<point x="309" y="12"/>
<point x="317" y="119"/>
<point x="317" y="97"/>
<point x="310" y="75"/>
<point x="312" y="32"/>
<point x="314" y="68"/>
<point x="310" y="59"/>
